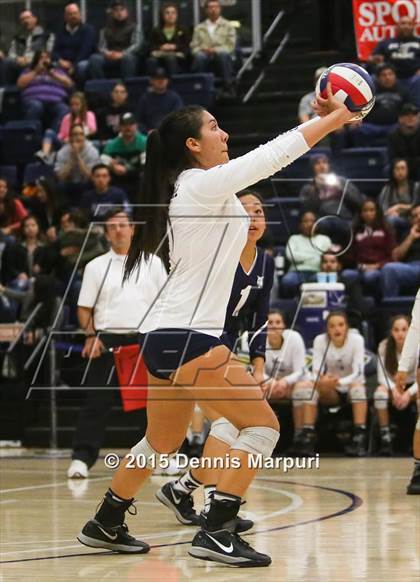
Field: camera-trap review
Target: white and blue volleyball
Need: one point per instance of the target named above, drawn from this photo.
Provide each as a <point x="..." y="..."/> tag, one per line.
<point x="352" y="85"/>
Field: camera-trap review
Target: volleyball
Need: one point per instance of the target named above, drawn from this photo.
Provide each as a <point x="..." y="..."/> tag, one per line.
<point x="352" y="85"/>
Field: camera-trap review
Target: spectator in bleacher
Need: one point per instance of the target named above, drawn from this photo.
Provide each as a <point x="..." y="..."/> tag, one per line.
<point x="157" y="102"/>
<point x="372" y="246"/>
<point x="305" y="110"/>
<point x="213" y="44"/>
<point x="119" y="44"/>
<point x="357" y="306"/>
<point x="35" y="254"/>
<point x="399" y="195"/>
<point x="403" y="51"/>
<point x="124" y="155"/>
<point x="389" y="355"/>
<point x="98" y="200"/>
<point x="391" y="95"/>
<point x="47" y="204"/>
<point x="45" y="90"/>
<point x="23" y="261"/>
<point x="109" y="116"/>
<point x="404" y="273"/>
<point x="30" y="39"/>
<point x="78" y="114"/>
<point x="404" y="141"/>
<point x="169" y="43"/>
<point x="74" y="44"/>
<point x="72" y="238"/>
<point x="74" y="163"/>
<point x="12" y="211"/>
<point x="324" y="196"/>
<point x="304" y="252"/>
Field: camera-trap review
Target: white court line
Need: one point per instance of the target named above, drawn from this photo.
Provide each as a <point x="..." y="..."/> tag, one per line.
<point x="149" y="536"/>
<point x="296" y="501"/>
<point x="47" y="485"/>
<point x="3" y="501"/>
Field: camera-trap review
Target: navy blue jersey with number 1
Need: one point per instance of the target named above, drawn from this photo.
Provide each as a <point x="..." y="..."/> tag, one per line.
<point x="250" y="300"/>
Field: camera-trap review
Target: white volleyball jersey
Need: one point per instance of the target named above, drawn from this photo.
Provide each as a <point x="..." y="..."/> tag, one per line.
<point x="383" y="376"/>
<point x="208" y="228"/>
<point x="289" y="361"/>
<point x="410" y="353"/>
<point x="346" y="362"/>
<point x="120" y="307"/>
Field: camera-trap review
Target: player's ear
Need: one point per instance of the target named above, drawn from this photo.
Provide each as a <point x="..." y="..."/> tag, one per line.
<point x="193" y="145"/>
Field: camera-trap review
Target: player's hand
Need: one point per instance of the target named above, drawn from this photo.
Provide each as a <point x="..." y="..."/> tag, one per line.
<point x="400" y="381"/>
<point x="258" y="377"/>
<point x="93" y="348"/>
<point x="326" y="106"/>
<point x="279" y="389"/>
<point x="401" y="401"/>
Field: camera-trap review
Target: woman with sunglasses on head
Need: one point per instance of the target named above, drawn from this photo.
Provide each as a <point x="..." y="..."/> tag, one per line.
<point x="192" y="218"/>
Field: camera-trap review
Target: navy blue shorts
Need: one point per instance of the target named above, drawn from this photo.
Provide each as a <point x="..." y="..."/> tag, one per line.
<point x="164" y="350"/>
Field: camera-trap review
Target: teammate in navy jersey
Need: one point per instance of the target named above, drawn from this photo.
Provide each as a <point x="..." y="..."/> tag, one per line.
<point x="250" y="295"/>
<point x="247" y="310"/>
<point x="191" y="218"/>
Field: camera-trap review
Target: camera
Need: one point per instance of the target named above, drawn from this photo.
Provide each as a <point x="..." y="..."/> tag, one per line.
<point x="51" y="65"/>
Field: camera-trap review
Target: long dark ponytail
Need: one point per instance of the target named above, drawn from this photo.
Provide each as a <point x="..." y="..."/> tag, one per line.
<point x="391" y="358"/>
<point x="167" y="156"/>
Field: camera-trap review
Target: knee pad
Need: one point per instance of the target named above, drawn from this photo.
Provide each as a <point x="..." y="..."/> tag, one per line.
<point x="257" y="440"/>
<point x="304" y="394"/>
<point x="380" y="399"/>
<point x="152" y="457"/>
<point x="357" y="394"/>
<point x="223" y="430"/>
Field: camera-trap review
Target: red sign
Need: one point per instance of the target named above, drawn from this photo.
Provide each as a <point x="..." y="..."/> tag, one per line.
<point x="132" y="377"/>
<point x="376" y="20"/>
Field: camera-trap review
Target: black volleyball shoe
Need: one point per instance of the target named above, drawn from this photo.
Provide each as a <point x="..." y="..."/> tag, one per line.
<point x="228" y="548"/>
<point x="117" y="538"/>
<point x="182" y="504"/>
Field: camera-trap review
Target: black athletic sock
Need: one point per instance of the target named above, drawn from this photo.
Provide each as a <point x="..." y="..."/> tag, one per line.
<point x="112" y="509"/>
<point x="223" y="508"/>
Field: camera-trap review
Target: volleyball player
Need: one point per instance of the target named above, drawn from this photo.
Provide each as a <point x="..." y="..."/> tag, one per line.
<point x="247" y="310"/>
<point x="337" y="375"/>
<point x="389" y="354"/>
<point x="409" y="356"/>
<point x="285" y="370"/>
<point x="188" y="168"/>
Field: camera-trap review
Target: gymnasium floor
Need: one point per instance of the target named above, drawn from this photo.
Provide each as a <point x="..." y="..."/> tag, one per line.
<point x="348" y="520"/>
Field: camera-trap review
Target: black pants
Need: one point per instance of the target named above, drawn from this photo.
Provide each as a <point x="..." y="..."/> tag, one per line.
<point x="93" y="416"/>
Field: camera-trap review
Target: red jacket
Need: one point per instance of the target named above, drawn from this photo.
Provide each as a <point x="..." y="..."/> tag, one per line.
<point x="373" y="246"/>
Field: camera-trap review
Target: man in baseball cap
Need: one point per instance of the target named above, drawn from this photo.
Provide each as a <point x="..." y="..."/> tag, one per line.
<point x="124" y="155"/>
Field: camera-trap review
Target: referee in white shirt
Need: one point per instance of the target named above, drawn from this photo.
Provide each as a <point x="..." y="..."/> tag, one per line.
<point x="109" y="313"/>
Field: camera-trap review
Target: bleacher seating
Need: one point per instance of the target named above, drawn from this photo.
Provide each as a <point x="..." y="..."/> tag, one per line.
<point x="282" y="217"/>
<point x="35" y="171"/>
<point x="10" y="104"/>
<point x="365" y="166"/>
<point x="10" y="174"/>
<point x="19" y="141"/>
<point x="193" y="88"/>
